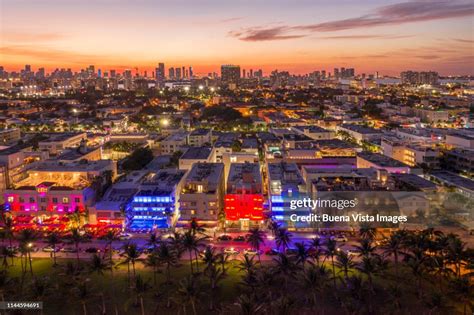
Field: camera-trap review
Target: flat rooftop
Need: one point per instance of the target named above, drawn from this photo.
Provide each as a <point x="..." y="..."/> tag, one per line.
<point x="414" y="181"/>
<point x="311" y="129"/>
<point x="285" y="173"/>
<point x="196" y="153"/>
<point x="237" y="171"/>
<point x="380" y="160"/>
<point x="200" y="132"/>
<point x="360" y="129"/>
<point x="454" y="179"/>
<point x="211" y="173"/>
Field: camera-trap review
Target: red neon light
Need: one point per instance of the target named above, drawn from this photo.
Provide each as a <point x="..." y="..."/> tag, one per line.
<point x="248" y="206"/>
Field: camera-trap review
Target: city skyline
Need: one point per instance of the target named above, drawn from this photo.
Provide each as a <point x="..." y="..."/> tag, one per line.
<point x="299" y="37"/>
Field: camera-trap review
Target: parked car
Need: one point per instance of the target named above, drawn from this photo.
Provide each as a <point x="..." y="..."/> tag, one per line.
<point x="224" y="237"/>
<point x="251" y="252"/>
<point x="231" y="251"/>
<point x="92" y="250"/>
<point x="125" y="236"/>
<point x="68" y="250"/>
<point x="339" y="238"/>
<point x="50" y="249"/>
<point x="240" y="238"/>
<point x="272" y="252"/>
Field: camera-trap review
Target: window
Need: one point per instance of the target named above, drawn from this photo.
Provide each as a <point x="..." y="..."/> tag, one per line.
<point x="77" y="200"/>
<point x="21" y="199"/>
<point x="65" y="200"/>
<point x="11" y="199"/>
<point x="199" y="188"/>
<point x="32" y="199"/>
<point x="43" y="199"/>
<point x="55" y="200"/>
<point x="193" y="212"/>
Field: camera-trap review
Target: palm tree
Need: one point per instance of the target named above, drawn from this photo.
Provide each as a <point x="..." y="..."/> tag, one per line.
<point x="302" y="253"/>
<point x="394" y="299"/>
<point x="331" y="251"/>
<point x="255" y="238"/>
<point x="7" y="252"/>
<point x="273" y="226"/>
<point x="53" y="240"/>
<point x="109" y="238"/>
<point x="131" y="256"/>
<point x="140" y="287"/>
<point x="282" y="238"/>
<point x="77" y="238"/>
<point x="316" y="249"/>
<point x="247" y="264"/>
<point x="456" y="253"/>
<point x="463" y="290"/>
<point x="153" y="241"/>
<point x="370" y="267"/>
<point x="344" y="262"/>
<point x="39" y="287"/>
<point x="214" y="274"/>
<point x="153" y="261"/>
<point x="286" y="267"/>
<point x="249" y="304"/>
<point x="314" y="281"/>
<point x="82" y="292"/>
<point x="417" y="261"/>
<point x="222" y="260"/>
<point x="26" y="238"/>
<point x="190" y="292"/>
<point x="167" y="256"/>
<point x="99" y="266"/>
<point x="191" y="243"/>
<point x="367" y="232"/>
<point x="365" y="248"/>
<point x="393" y="247"/>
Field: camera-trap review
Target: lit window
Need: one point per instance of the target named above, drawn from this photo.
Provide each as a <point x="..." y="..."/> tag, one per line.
<point x="193" y="212"/>
<point x="65" y="200"/>
<point x="199" y="188"/>
<point x="11" y="199"/>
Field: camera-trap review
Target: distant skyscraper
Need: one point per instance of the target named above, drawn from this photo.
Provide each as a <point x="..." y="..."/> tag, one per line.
<point x="230" y="73"/>
<point x="191" y="74"/>
<point x="99" y="73"/>
<point x="113" y="73"/>
<point x="177" y="72"/>
<point x="171" y="74"/>
<point x="160" y="72"/>
<point x="183" y="72"/>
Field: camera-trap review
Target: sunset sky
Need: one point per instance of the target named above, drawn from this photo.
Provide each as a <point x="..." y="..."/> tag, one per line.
<point x="295" y="35"/>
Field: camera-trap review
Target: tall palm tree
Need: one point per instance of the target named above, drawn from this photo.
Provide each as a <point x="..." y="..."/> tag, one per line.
<point x="131" y="256"/>
<point x="39" y="288"/>
<point x="82" y="291"/>
<point x="140" y="287"/>
<point x="255" y="238"/>
<point x="273" y="226"/>
<point x="167" y="256"/>
<point x="393" y="247"/>
<point x="331" y="251"/>
<point x="99" y="266"/>
<point x="417" y="261"/>
<point x="463" y="290"/>
<point x="456" y="253"/>
<point x="153" y="261"/>
<point x="26" y="238"/>
<point x="223" y="258"/>
<point x="344" y="262"/>
<point x="316" y="249"/>
<point x="282" y="238"/>
<point x="7" y="252"/>
<point x="314" y="281"/>
<point x="77" y="238"/>
<point x="153" y="241"/>
<point x="192" y="243"/>
<point x="286" y="267"/>
<point x="190" y="292"/>
<point x="53" y="240"/>
<point x="302" y="253"/>
<point x="110" y="237"/>
<point x="369" y="267"/>
<point x="214" y="274"/>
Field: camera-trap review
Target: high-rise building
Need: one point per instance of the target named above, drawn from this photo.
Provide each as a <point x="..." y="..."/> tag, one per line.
<point x="177" y="72"/>
<point x="418" y="78"/>
<point x="191" y="73"/>
<point x="230" y="73"/>
<point x="171" y="74"/>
